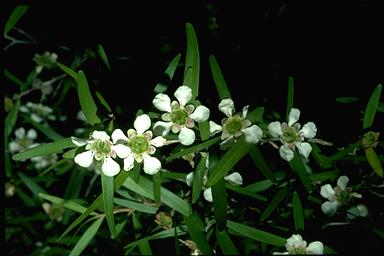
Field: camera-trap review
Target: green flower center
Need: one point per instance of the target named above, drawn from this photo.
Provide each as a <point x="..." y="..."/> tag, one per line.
<point x="369" y="140"/>
<point x="290" y="135"/>
<point x="139" y="144"/>
<point x="179" y="116"/>
<point x="298" y="250"/>
<point x="102" y="147"/>
<point x="233" y="125"/>
<point x="24" y="142"/>
<point x="343" y="196"/>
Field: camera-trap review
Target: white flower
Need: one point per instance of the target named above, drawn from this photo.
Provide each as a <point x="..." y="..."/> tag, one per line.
<point x="23" y="140"/>
<point x="47" y="60"/>
<point x="38" y="111"/>
<point x="296" y="245"/>
<point x="359" y="210"/>
<point x="99" y="148"/>
<point x="292" y="136"/>
<point x="179" y="117"/>
<point x="338" y="196"/>
<point x="44" y="161"/>
<point x="139" y="145"/>
<point x="234" y="125"/>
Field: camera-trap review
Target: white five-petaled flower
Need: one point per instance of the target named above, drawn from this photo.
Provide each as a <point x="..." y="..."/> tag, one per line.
<point x="38" y="111"/>
<point x="340" y="195"/>
<point x="100" y="148"/>
<point x="23" y="140"/>
<point x="292" y="136"/>
<point x="234" y="125"/>
<point x="296" y="245"/>
<point x="44" y="161"/>
<point x="139" y="145"/>
<point x="179" y="116"/>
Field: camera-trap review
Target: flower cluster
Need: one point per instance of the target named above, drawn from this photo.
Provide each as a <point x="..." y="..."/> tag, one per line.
<point x="296" y="245"/>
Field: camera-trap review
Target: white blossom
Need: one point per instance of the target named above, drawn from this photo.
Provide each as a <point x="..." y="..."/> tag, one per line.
<point x="24" y="140"/>
<point x="38" y="112"/>
<point x="296" y="245"/>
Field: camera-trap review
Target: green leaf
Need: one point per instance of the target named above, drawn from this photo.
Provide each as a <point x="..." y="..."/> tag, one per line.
<point x="228" y="161"/>
<point x="298" y="166"/>
<point x="343" y="152"/>
<point x="370" y="110"/>
<point x="68" y="70"/>
<point x="221" y="85"/>
<point x="32" y="185"/>
<point x="87" y="103"/>
<point x="261" y="164"/>
<point x="13" y="78"/>
<point x="16" y="14"/>
<point x="374" y="161"/>
<point x="107" y="186"/>
<point x="140" y="207"/>
<point x="144" y="247"/>
<point x="198" y="179"/>
<point x="201" y="146"/>
<point x="145" y="188"/>
<point x="226" y="244"/>
<point x="157" y="187"/>
<point x="259" y="186"/>
<point x="45" y="149"/>
<point x="256" y="234"/>
<point x="170" y="71"/>
<point x="323" y="176"/>
<point x="192" y="61"/>
<point x="86" y="238"/>
<point x="322" y="160"/>
<point x="274" y="203"/>
<point x="347" y="99"/>
<point x="103" y="56"/>
<point x="69" y="204"/>
<point x="11" y="118"/>
<point x="256" y="115"/>
<point x="70" y="154"/>
<point x="103" y="101"/>
<point x="245" y="192"/>
<point x="290" y="96"/>
<point x="195" y="229"/>
<point x="219" y="196"/>
<point x="297" y="212"/>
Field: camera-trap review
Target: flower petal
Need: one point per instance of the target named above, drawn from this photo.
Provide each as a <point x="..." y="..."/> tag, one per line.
<point x="158" y="141"/>
<point x="214" y="128"/>
<point x="100" y="135"/>
<point x="189" y="178"/>
<point x="327" y="191"/>
<point x="304" y="148"/>
<point x="186" y="136"/>
<point x="234" y="178"/>
<point x="162" y="102"/>
<point x="227" y="107"/>
<point x="32" y="134"/>
<point x="315" y="248"/>
<point x="78" y="142"/>
<point x="84" y="159"/>
<point x="245" y="111"/>
<point x="309" y="130"/>
<point x="253" y="134"/>
<point x="294" y="116"/>
<point x="14" y="146"/>
<point x="342" y="182"/>
<point x="363" y="210"/>
<point x="20" y="133"/>
<point x="162" y="128"/>
<point x="200" y="114"/>
<point x="110" y="167"/>
<point x="208" y="195"/>
<point x="274" y="129"/>
<point x="183" y="94"/>
<point x="286" y="153"/>
<point x="329" y="208"/>
<point x="121" y="150"/>
<point x="117" y="135"/>
<point x="128" y="163"/>
<point x="151" y="164"/>
<point x="142" y="123"/>
<point x="295" y="241"/>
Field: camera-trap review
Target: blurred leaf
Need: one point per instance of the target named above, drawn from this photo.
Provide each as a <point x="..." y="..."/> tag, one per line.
<point x="221" y="85"/>
<point x="145" y="188"/>
<point x="87" y="103"/>
<point x="297" y="212"/>
<point x="120" y="226"/>
<point x="45" y="149"/>
<point x="274" y="203"/>
<point x="259" y="186"/>
<point x="201" y="146"/>
<point x="11" y="118"/>
<point x="198" y="178"/>
<point x="261" y="164"/>
<point x="219" y="196"/>
<point x="245" y="192"/>
<point x="290" y="96"/>
<point x="107" y="186"/>
<point x="370" y="110"/>
<point x="195" y="230"/>
<point x="256" y="115"/>
<point x="380" y="107"/>
<point x="228" y="161"/>
<point x="170" y="71"/>
<point x="74" y="185"/>
<point x="86" y="238"/>
<point x="343" y="152"/>
<point x="13" y="78"/>
<point x="67" y="70"/>
<point x="323" y="176"/>
<point x="70" y="154"/>
<point x="144" y="247"/>
<point x="298" y="166"/>
<point x="322" y="160"/>
<point x="256" y="234"/>
<point x="103" y="56"/>
<point x="55" y="165"/>
<point x="157" y="187"/>
<point x="44" y="129"/>
<point x="347" y="99"/>
<point x="140" y="207"/>
<point x="69" y="204"/>
<point x="16" y="14"/>
<point x="226" y="244"/>
<point x="32" y="185"/>
<point x="192" y="61"/>
<point x="374" y="161"/>
<point x="103" y="102"/>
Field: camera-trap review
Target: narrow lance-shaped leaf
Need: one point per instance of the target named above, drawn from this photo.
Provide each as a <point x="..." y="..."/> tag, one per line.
<point x="192" y="61"/>
<point x="69" y="204"/>
<point x="86" y="238"/>
<point x="221" y="85"/>
<point x="220" y="204"/>
<point x="8" y="74"/>
<point x="103" y="101"/>
<point x="11" y="118"/>
<point x="107" y="186"/>
<point x="226" y="243"/>
<point x="290" y="95"/>
<point x="198" y="178"/>
<point x="103" y="56"/>
<point x="298" y="166"/>
<point x="274" y="203"/>
<point x="157" y="187"/>
<point x="144" y="247"/>
<point x="87" y="103"/>
<point x="68" y="70"/>
<point x="370" y="110"/>
<point x="32" y="185"/>
<point x="195" y="229"/>
<point x="297" y="212"/>
<point x="261" y="164"/>
<point x="15" y="16"/>
<point x="374" y="161"/>
<point x="170" y="71"/>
